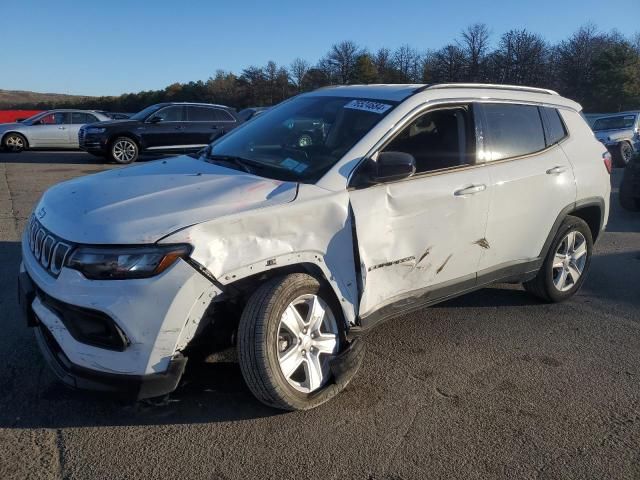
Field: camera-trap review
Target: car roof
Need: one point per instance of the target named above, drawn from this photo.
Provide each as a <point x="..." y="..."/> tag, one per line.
<point x="196" y="104"/>
<point x="401" y="92"/>
<point x="73" y="110"/>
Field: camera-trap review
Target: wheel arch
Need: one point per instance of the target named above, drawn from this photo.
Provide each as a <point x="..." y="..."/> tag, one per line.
<point x="127" y="134"/>
<point x="591" y="210"/>
<point x="244" y="282"/>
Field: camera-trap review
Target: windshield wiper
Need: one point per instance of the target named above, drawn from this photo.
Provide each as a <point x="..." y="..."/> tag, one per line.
<point x="238" y="161"/>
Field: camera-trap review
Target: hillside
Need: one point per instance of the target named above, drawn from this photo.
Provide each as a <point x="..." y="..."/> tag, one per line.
<point x="17" y="98"/>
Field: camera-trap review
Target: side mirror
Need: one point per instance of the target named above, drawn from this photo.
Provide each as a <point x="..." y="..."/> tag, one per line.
<point x="20" y="120"/>
<point x="155" y="119"/>
<point x="391" y="166"/>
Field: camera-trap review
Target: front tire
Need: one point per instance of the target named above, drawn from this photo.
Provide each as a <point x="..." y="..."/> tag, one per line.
<point x="290" y="330"/>
<point x="566" y="264"/>
<point x="123" y="150"/>
<point x="14" y="143"/>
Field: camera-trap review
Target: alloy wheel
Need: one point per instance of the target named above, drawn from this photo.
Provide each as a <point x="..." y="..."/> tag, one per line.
<point x="569" y="261"/>
<point x="124" y="151"/>
<point x="15" y="143"/>
<point x="308" y="338"/>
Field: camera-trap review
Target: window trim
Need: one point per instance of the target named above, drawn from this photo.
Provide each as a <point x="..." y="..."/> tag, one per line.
<point x="411" y="116"/>
<point x="481" y="136"/>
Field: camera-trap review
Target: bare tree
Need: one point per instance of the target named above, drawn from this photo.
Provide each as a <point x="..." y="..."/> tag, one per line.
<point x="297" y="70"/>
<point x="407" y="61"/>
<point x="521" y="58"/>
<point x="445" y="65"/>
<point x="342" y="58"/>
<point x="573" y="63"/>
<point x="475" y="46"/>
<point x="384" y="66"/>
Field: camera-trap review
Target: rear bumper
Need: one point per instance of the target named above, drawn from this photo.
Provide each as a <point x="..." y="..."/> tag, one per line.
<point x="134" y="387"/>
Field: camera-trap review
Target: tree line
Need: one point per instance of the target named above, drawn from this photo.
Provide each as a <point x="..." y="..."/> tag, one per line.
<point x="599" y="70"/>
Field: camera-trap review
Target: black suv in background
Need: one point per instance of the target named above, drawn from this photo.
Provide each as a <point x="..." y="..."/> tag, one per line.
<point x="160" y="128"/>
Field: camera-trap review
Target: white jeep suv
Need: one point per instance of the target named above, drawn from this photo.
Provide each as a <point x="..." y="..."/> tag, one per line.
<point x="313" y="222"/>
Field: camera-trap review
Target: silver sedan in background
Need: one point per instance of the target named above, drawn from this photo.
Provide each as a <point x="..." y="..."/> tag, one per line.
<point x="50" y="129"/>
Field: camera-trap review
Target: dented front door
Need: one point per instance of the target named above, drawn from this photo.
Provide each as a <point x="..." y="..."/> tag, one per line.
<point x="425" y="231"/>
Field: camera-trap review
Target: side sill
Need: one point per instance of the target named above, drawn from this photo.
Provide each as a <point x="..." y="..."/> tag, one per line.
<point x="418" y="299"/>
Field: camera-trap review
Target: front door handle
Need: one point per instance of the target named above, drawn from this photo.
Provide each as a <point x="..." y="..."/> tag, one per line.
<point x="470" y="190"/>
<point x="61" y="128"/>
<point x="179" y="127"/>
<point x="556" y="170"/>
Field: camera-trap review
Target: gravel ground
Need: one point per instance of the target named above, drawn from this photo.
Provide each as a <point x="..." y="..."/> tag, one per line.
<point x="490" y="385"/>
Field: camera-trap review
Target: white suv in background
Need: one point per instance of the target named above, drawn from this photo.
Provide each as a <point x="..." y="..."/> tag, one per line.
<point x="301" y="229"/>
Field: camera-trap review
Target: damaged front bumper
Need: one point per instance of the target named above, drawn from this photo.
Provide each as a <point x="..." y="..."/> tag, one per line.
<point x="150" y="321"/>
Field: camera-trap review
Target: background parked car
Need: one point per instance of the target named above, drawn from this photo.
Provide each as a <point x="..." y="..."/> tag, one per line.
<point x="160" y="128"/>
<point x="50" y="129"/>
<point x="116" y="115"/>
<point x="620" y="133"/>
<point x="630" y="186"/>
<point x="249" y="113"/>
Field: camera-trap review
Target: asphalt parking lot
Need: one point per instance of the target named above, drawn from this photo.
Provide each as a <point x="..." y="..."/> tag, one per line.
<point x="491" y="385"/>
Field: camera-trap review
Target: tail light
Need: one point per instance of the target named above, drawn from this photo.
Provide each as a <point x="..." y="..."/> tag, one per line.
<point x="606" y="156"/>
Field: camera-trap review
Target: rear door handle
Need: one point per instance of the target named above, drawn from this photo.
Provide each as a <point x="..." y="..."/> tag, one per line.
<point x="556" y="170"/>
<point x="470" y="190"/>
<point x="61" y="128"/>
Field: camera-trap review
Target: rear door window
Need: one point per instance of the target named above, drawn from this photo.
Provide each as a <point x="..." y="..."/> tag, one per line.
<point x="201" y="114"/>
<point x="513" y="130"/>
<point x="82" y="118"/>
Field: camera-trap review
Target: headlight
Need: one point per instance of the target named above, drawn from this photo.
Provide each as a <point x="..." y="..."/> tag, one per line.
<point x="95" y="130"/>
<point x="107" y="263"/>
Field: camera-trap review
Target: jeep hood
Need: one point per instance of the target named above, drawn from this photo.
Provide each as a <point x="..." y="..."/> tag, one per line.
<point x="144" y="203"/>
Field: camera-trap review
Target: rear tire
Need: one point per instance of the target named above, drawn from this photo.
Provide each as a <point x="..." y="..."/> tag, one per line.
<point x="15" y="143"/>
<point x="289" y="330"/>
<point x="624" y="152"/>
<point x="123" y="150"/>
<point x="566" y="264"/>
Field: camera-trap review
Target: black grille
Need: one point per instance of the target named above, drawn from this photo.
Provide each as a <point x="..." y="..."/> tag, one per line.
<point x="81" y="136"/>
<point x="47" y="248"/>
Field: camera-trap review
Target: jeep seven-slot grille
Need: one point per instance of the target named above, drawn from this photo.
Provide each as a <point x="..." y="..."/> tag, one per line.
<point x="47" y="249"/>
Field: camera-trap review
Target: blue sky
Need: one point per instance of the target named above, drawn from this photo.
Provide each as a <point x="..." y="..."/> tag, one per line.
<point x="117" y="46"/>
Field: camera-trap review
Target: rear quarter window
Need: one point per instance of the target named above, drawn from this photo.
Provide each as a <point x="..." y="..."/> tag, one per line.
<point x="555" y="129"/>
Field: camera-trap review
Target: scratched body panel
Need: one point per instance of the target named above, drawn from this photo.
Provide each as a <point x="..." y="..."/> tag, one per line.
<point x="314" y="228"/>
<point x="417" y="233"/>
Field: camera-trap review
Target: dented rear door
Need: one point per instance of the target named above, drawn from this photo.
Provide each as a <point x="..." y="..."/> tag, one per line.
<point x="424" y="231"/>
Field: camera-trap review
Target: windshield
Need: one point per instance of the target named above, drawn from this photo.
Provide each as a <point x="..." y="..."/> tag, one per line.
<point x="614" y="123"/>
<point x="142" y="114"/>
<point x="33" y="118"/>
<point x="300" y="139"/>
